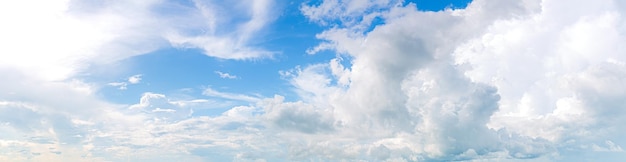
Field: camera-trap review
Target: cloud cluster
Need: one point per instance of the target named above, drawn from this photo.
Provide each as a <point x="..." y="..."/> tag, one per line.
<point x="135" y="79"/>
<point x="499" y="80"/>
<point x="47" y="115"/>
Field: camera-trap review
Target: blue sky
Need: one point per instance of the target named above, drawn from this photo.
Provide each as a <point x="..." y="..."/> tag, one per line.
<point x="324" y="80"/>
<point x="172" y="70"/>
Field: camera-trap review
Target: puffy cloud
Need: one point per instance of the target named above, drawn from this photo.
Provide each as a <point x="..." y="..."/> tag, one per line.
<point x="158" y="103"/>
<point x="496" y="80"/>
<point x="134" y="79"/>
<point x="550" y="69"/>
<point x="297" y="116"/>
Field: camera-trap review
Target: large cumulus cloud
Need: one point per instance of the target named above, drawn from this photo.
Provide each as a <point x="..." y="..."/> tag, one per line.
<point x="506" y="79"/>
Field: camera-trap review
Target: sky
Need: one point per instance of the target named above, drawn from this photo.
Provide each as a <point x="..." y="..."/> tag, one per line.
<point x="314" y="80"/>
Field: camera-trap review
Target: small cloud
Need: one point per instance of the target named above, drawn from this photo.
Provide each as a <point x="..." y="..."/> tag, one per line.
<point x="231" y="96"/>
<point x="120" y="85"/>
<point x="134" y="79"/>
<point x="164" y="110"/>
<point x="610" y="147"/>
<point x="226" y="75"/>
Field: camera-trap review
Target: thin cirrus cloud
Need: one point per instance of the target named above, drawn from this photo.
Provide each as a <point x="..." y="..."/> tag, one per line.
<point x="226" y="75"/>
<point x="496" y="81"/>
<point x="232" y="96"/>
<point x="74" y="34"/>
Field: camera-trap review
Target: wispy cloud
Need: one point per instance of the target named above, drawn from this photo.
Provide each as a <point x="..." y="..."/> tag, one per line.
<point x="226" y="75"/>
<point x="75" y="36"/>
<point x="119" y="85"/>
<point x="232" y="96"/>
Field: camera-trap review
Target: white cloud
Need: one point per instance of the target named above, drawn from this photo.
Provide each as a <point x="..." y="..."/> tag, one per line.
<point x="159" y="103"/>
<point x="233" y="44"/>
<point x="232" y="96"/>
<point x="549" y="68"/>
<point x="226" y="75"/>
<point x="500" y="80"/>
<point x="134" y="79"/>
<point x="60" y="40"/>
<point x="47" y="121"/>
<point x="50" y="116"/>
<point x="298" y="116"/>
<point x="349" y="12"/>
<point x="523" y="73"/>
<point x="610" y="146"/>
<point x="120" y="85"/>
<point x="71" y="35"/>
